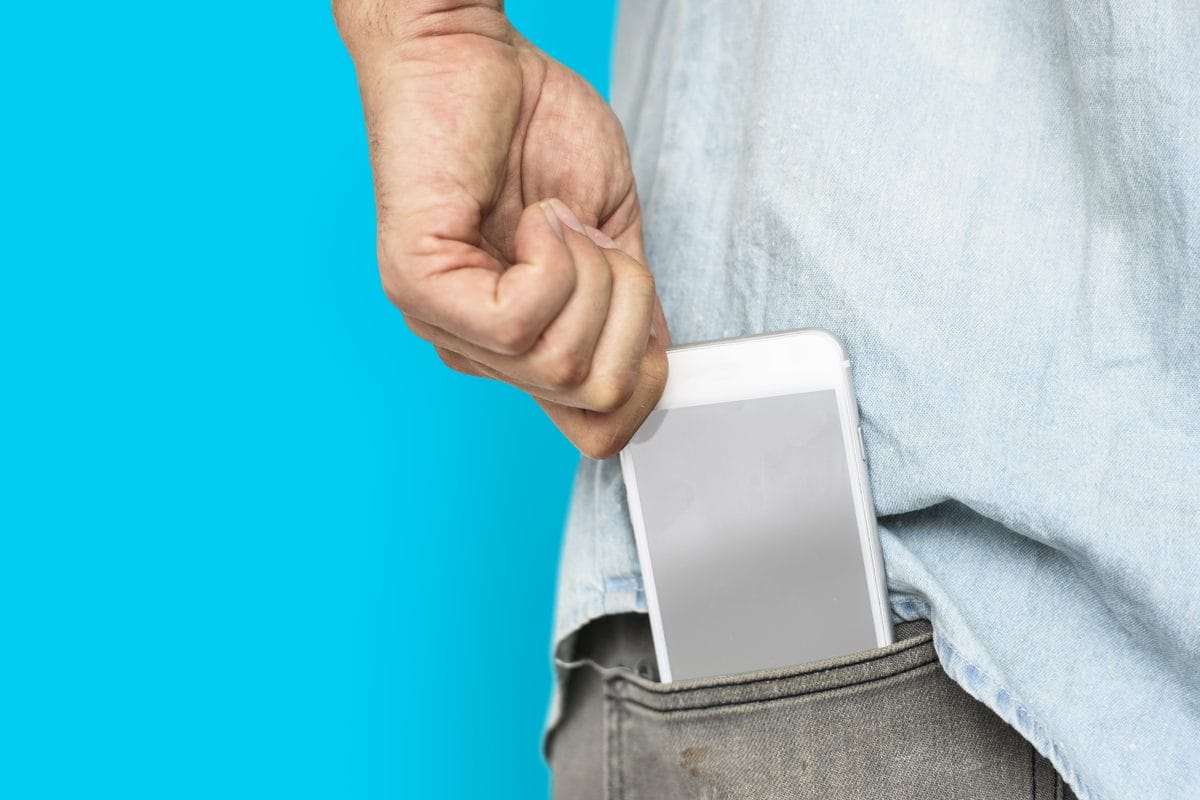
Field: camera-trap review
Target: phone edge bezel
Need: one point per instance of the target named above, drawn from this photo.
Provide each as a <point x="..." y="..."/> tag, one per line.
<point x="861" y="487"/>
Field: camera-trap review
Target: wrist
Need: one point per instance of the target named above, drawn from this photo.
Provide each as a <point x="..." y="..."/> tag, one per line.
<point x="362" y="21"/>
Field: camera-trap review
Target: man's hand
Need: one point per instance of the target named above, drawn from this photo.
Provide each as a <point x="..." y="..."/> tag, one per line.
<point x="509" y="229"/>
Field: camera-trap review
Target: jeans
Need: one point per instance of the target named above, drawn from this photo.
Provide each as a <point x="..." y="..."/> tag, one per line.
<point x="886" y="724"/>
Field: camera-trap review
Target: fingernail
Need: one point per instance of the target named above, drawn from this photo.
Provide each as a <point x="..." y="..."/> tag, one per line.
<point x="601" y="238"/>
<point x="552" y="218"/>
<point x="566" y="215"/>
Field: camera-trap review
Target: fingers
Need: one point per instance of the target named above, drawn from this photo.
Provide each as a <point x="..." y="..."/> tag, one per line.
<point x="618" y="356"/>
<point x="589" y="356"/>
<point x="464" y="291"/>
<point x="597" y="435"/>
<point x="658" y="327"/>
<point x="459" y="363"/>
<point x="562" y="358"/>
<point x="603" y="435"/>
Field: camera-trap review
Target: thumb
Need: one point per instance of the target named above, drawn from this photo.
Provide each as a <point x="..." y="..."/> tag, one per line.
<point x="455" y="286"/>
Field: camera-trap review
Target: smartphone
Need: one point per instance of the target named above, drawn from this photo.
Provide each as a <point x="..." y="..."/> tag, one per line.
<point x="752" y="510"/>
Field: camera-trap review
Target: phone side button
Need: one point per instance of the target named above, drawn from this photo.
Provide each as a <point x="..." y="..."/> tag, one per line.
<point x="862" y="450"/>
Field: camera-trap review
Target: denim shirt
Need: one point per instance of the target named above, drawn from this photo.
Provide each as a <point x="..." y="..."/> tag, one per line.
<point x="997" y="209"/>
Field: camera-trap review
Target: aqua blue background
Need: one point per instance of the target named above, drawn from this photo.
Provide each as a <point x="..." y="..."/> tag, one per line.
<point x="255" y="541"/>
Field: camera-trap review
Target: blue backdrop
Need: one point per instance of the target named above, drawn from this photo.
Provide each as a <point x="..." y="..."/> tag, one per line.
<point x="256" y="540"/>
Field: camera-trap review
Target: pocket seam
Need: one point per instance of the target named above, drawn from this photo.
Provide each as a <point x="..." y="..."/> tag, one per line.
<point x="617" y="697"/>
<point x="675" y="688"/>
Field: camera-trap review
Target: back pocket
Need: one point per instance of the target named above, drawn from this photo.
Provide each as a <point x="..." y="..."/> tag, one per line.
<point x="887" y="723"/>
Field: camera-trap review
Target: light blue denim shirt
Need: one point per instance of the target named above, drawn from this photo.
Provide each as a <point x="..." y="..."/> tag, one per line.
<point x="997" y="208"/>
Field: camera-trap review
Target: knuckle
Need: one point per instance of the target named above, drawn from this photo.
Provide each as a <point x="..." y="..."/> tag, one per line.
<point x="612" y="390"/>
<point x="423" y="330"/>
<point x="646" y="284"/>
<point x="647" y="281"/>
<point x="418" y="328"/>
<point x="452" y="360"/>
<point x="640" y="277"/>
<point x="513" y="336"/>
<point x="564" y="369"/>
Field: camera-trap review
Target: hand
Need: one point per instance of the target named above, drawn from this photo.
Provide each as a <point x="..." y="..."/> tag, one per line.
<point x="509" y="228"/>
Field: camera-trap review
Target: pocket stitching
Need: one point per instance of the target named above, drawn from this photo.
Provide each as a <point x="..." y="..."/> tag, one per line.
<point x="760" y="700"/>
<point x="673" y="688"/>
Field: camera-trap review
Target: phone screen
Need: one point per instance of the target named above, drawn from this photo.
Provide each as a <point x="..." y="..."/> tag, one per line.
<point x="752" y="534"/>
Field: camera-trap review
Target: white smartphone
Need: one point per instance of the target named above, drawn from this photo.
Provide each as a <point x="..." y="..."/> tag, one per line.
<point x="752" y="511"/>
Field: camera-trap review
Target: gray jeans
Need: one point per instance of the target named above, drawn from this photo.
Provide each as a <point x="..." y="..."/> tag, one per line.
<point x="884" y="724"/>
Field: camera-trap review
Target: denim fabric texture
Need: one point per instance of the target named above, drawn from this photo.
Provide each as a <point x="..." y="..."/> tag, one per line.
<point x="884" y="725"/>
<point x="996" y="207"/>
